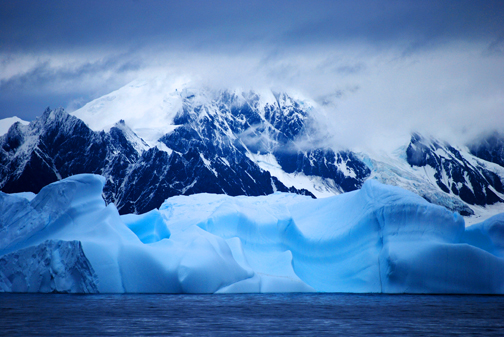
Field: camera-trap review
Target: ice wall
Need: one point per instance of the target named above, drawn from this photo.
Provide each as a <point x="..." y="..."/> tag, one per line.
<point x="52" y="266"/>
<point x="377" y="239"/>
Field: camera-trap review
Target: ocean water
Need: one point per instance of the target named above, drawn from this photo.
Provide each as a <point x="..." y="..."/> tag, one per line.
<point x="251" y="315"/>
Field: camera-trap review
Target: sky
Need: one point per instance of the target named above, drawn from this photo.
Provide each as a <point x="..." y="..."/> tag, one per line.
<point x="377" y="69"/>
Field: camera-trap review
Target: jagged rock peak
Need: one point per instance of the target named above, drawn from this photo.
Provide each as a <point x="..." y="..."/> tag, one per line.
<point x="456" y="173"/>
<point x="490" y="148"/>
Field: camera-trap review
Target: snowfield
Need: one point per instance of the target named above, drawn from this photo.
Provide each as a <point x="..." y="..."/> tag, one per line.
<point x="377" y="239"/>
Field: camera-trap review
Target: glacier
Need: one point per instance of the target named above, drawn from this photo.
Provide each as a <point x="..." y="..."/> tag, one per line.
<point x="379" y="239"/>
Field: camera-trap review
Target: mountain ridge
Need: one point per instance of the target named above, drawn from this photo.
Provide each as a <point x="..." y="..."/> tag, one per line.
<point x="232" y="142"/>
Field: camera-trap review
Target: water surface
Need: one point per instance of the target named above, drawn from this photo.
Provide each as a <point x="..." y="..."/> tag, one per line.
<point x="252" y="315"/>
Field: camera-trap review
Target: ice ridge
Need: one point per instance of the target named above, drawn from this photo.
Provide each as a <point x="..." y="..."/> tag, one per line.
<point x="380" y="239"/>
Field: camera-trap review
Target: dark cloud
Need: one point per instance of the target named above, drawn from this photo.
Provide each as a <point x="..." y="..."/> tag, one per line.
<point x="43" y="75"/>
<point x="69" y="84"/>
<point x="42" y="25"/>
<point x="390" y="64"/>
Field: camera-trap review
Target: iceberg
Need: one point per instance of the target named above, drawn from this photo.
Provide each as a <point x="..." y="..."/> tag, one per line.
<point x="52" y="266"/>
<point x="377" y="239"/>
<point x="488" y="235"/>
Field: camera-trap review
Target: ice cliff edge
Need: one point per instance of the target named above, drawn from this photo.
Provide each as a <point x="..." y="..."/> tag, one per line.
<point x="377" y="239"/>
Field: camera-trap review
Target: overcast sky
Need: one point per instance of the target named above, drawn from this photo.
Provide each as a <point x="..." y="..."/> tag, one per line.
<point x="432" y="66"/>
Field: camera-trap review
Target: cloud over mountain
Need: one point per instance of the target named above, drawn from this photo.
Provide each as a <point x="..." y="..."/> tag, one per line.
<point x="377" y="69"/>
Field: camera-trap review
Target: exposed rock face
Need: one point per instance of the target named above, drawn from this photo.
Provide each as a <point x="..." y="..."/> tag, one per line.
<point x="454" y="173"/>
<point x="490" y="148"/>
<point x="203" y="158"/>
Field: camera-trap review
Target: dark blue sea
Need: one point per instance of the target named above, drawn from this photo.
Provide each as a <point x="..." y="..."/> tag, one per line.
<point x="251" y="315"/>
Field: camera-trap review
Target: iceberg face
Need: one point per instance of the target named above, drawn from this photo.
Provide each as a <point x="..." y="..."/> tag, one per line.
<point x="442" y="268"/>
<point x="377" y="239"/>
<point x="25" y="222"/>
<point x="149" y="227"/>
<point x="488" y="235"/>
<point x="52" y="266"/>
<point x="73" y="210"/>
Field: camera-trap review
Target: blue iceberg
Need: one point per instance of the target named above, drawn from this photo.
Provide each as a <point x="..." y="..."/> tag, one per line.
<point x="377" y="239"/>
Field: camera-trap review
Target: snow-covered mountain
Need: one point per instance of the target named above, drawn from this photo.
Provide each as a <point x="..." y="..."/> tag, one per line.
<point x="139" y="177"/>
<point x="444" y="175"/>
<point x="457" y="172"/>
<point x="153" y="140"/>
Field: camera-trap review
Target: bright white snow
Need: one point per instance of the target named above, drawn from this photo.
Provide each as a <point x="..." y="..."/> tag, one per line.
<point x="6" y="123"/>
<point x="377" y="239"/>
<point x="148" y="107"/>
<point x="320" y="187"/>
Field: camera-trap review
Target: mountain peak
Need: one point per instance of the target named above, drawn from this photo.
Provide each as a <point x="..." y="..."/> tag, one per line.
<point x="153" y="139"/>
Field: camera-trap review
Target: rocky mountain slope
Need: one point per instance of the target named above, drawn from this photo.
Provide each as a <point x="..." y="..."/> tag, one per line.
<point x="153" y="144"/>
